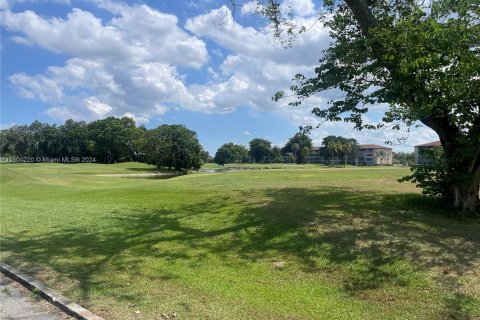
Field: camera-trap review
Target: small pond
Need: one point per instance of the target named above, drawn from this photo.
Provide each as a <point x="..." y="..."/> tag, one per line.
<point x="219" y="170"/>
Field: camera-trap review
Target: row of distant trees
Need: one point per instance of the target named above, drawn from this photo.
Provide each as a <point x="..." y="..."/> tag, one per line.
<point x="335" y="149"/>
<point x="108" y="141"/>
<point x="339" y="147"/>
<point x="174" y="146"/>
<point x="296" y="150"/>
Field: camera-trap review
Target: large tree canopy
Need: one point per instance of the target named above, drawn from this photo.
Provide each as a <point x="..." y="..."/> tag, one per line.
<point x="174" y="146"/>
<point x="296" y="145"/>
<point x="422" y="59"/>
<point x="112" y="138"/>
<point x="107" y="141"/>
<point x="260" y="149"/>
<point x="230" y="153"/>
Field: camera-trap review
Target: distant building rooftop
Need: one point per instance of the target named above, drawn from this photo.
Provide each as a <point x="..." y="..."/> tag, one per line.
<point x="430" y="144"/>
<point x="372" y="146"/>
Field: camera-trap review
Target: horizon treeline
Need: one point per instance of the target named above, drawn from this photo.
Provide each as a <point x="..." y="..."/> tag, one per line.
<point x="109" y="140"/>
<point x="112" y="140"/>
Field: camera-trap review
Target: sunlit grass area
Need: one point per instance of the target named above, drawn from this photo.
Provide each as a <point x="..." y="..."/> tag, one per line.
<point x="293" y="243"/>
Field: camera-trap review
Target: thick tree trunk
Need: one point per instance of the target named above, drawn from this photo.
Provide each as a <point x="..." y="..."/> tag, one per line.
<point x="466" y="197"/>
<point x="464" y="192"/>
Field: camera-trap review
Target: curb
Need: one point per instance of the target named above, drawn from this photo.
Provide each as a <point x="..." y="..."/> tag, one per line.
<point x="68" y="306"/>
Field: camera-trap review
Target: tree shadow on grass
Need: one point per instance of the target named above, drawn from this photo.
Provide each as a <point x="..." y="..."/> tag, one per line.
<point x="369" y="241"/>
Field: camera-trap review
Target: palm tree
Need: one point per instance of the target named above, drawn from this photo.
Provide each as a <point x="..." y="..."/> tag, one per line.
<point x="355" y="150"/>
<point x="304" y="152"/>
<point x="346" y="148"/>
<point x="295" y="148"/>
<point x="334" y="147"/>
<point x="291" y="157"/>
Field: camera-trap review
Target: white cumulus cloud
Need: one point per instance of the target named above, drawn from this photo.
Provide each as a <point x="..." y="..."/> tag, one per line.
<point x="98" y="108"/>
<point x="128" y="65"/>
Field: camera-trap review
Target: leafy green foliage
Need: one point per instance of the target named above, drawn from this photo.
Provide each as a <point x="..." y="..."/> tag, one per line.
<point x="174" y="146"/>
<point x="231" y="153"/>
<point x="108" y="140"/>
<point x="260" y="150"/>
<point x="277" y="155"/>
<point x="430" y="177"/>
<point x="112" y="138"/>
<point x="206" y="157"/>
<point x="296" y="145"/>
<point x="422" y="59"/>
<point x="339" y="146"/>
<point x="290" y="157"/>
<point x="403" y="158"/>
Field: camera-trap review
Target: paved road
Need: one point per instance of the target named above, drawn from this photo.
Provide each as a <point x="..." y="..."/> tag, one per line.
<point x="17" y="303"/>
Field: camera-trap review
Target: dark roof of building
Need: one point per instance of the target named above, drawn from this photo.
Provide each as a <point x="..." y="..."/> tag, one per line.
<point x="372" y="146"/>
<point x="430" y="144"/>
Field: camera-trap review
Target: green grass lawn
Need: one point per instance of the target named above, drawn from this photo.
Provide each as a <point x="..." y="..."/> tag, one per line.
<point x="308" y="243"/>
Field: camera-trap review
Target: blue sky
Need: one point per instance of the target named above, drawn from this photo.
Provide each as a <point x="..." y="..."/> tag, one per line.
<point x="186" y="62"/>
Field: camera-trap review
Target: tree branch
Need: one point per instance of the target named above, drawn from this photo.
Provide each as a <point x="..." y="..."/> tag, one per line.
<point x="362" y="14"/>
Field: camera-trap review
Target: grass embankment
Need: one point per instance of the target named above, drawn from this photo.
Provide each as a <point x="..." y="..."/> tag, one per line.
<point x="311" y="243"/>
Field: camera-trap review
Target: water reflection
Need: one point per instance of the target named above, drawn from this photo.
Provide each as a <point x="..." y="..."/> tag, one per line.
<point x="219" y="170"/>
